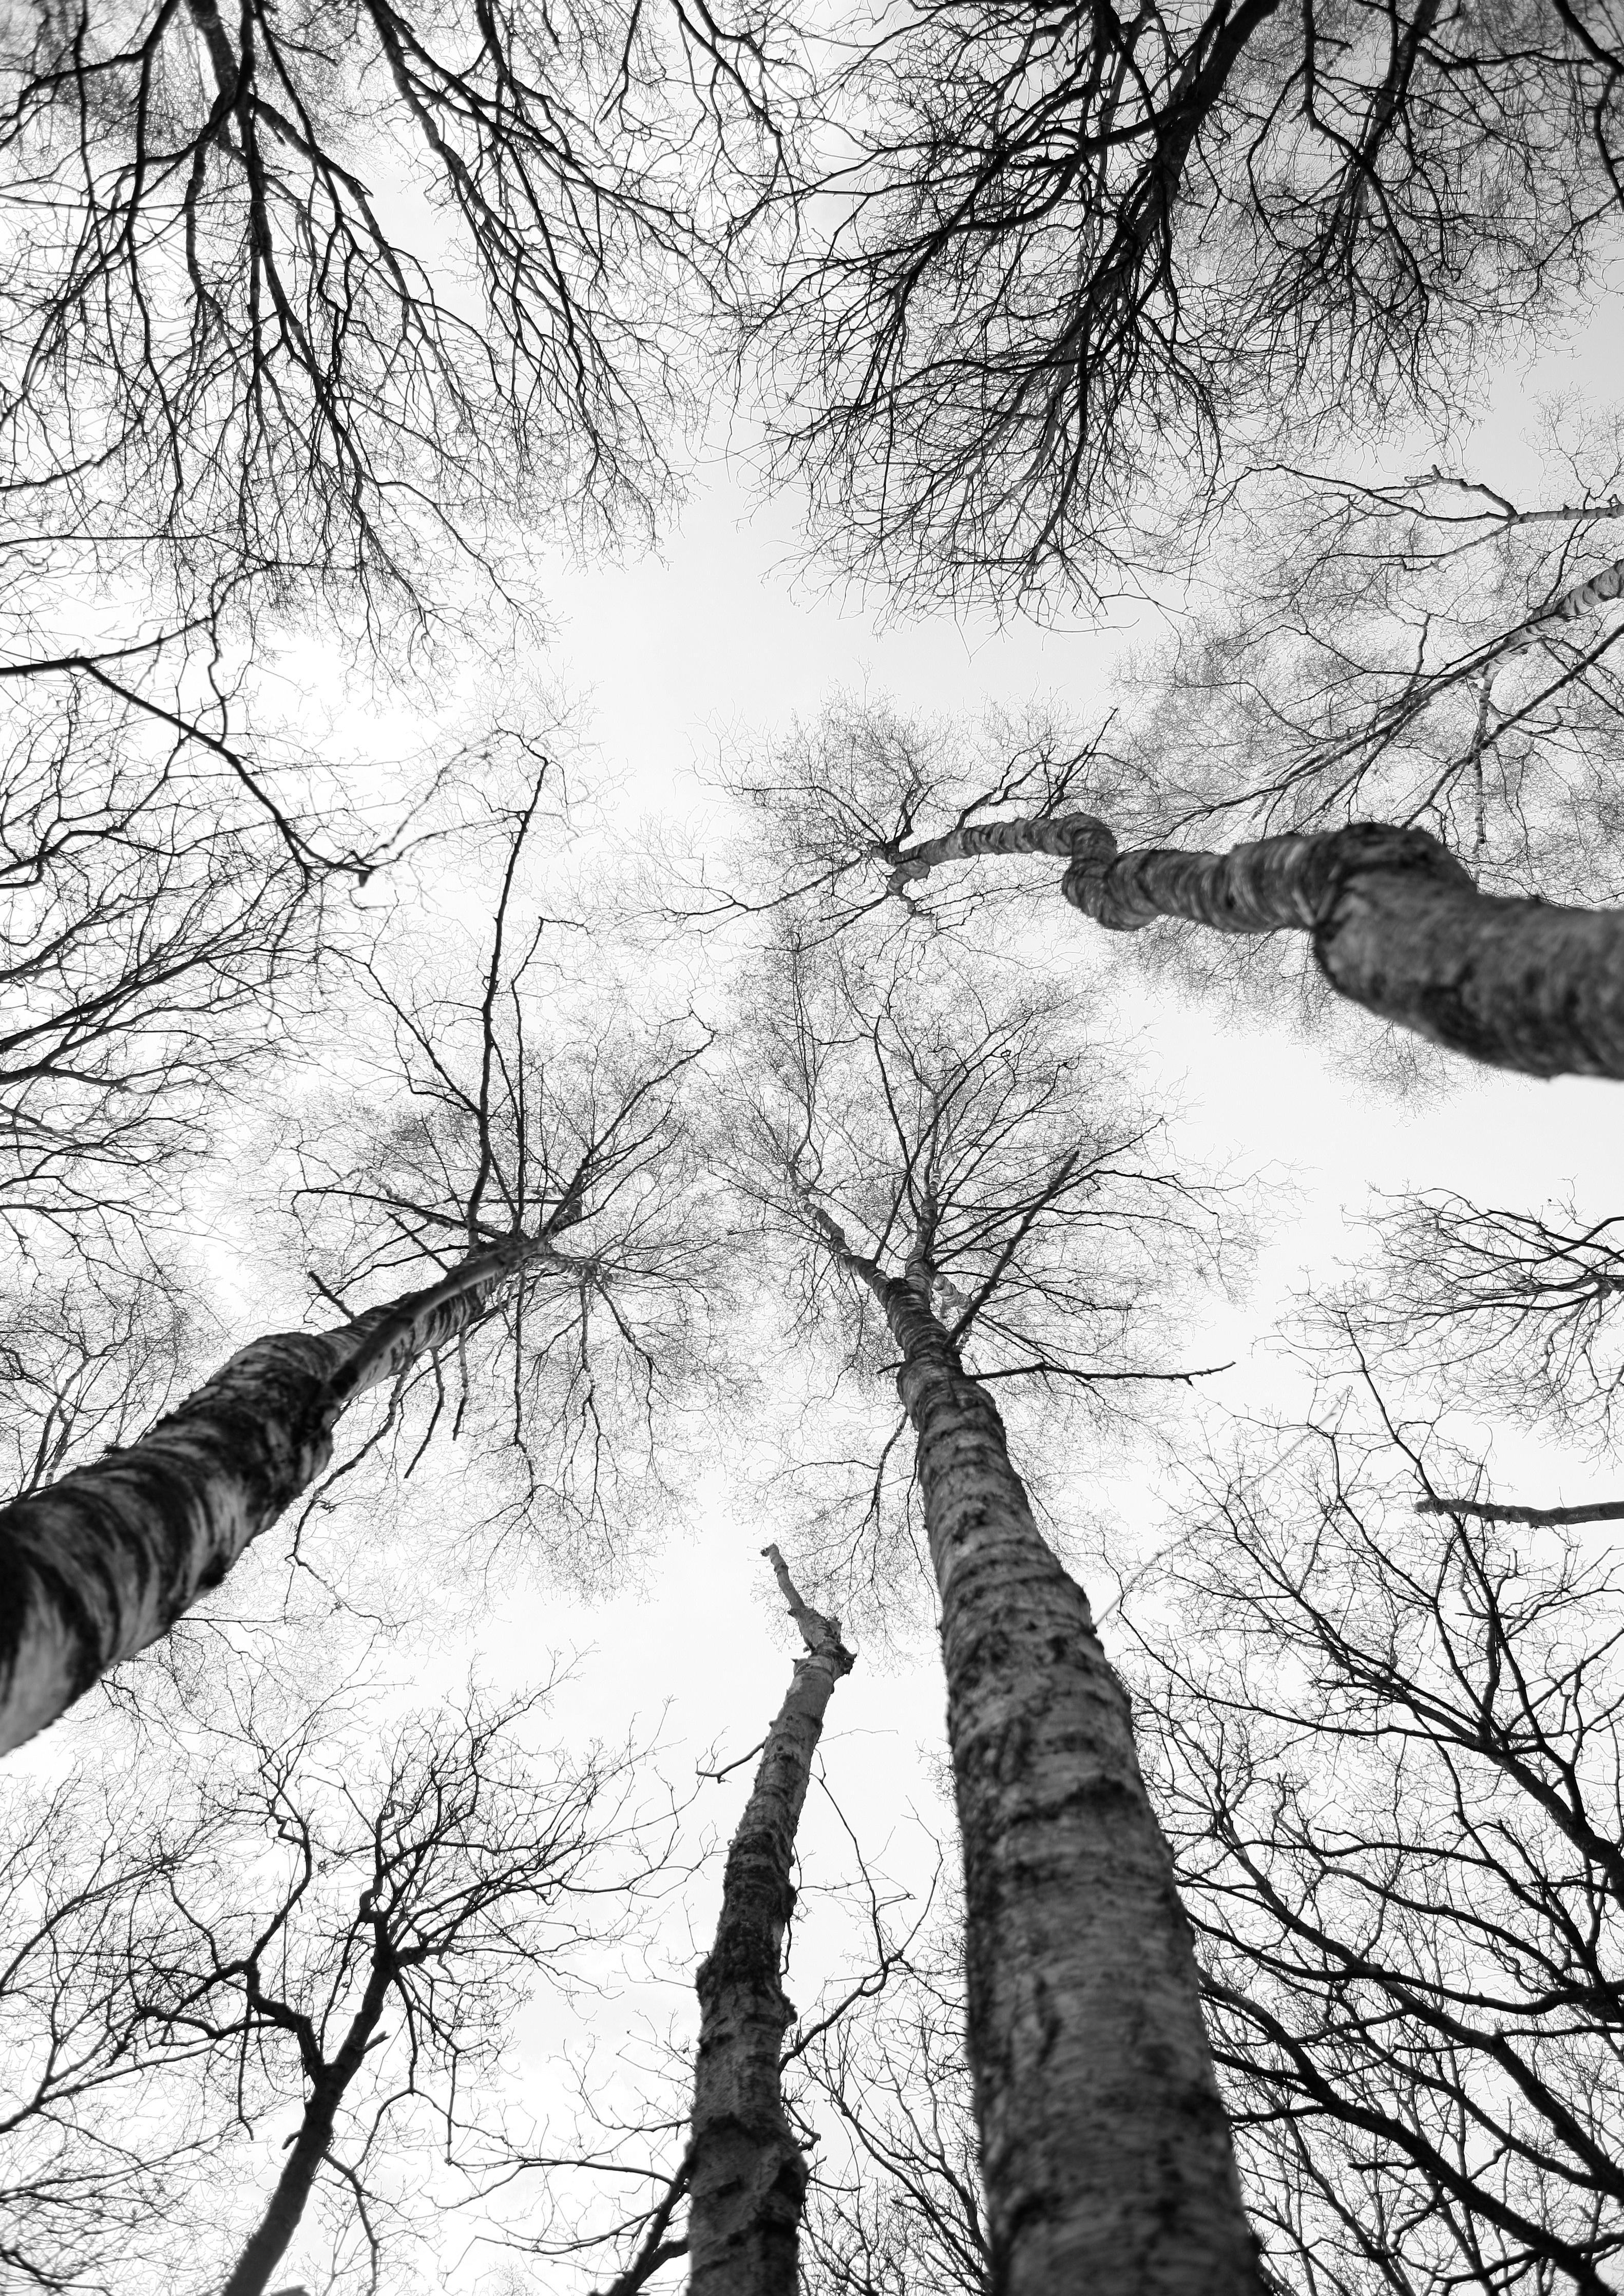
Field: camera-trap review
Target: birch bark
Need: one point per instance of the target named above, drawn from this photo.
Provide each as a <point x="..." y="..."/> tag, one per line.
<point x="747" y="2175"/>
<point x="1397" y="924"/>
<point x="102" y="1562"/>
<point x="1105" y="2150"/>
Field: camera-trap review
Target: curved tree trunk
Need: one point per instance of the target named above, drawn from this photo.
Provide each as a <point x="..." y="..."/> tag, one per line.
<point x="102" y="1562"/>
<point x="1398" y="925"/>
<point x="1105" y="2150"/>
<point x="747" y="2175"/>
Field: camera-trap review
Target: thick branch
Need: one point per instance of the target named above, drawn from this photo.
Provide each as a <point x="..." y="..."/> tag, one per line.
<point x="1488" y="1511"/>
<point x="1583" y="598"/>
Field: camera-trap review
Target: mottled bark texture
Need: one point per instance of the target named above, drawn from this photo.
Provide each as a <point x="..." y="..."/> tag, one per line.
<point x="1105" y="2152"/>
<point x="103" y="1562"/>
<point x="1491" y="1511"/>
<point x="1398" y="925"/>
<point x="747" y="2175"/>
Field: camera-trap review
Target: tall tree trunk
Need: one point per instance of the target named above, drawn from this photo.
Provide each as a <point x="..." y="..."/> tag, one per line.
<point x="1398" y="925"/>
<point x="747" y="2175"/>
<point x="1105" y="2150"/>
<point x="102" y="1562"/>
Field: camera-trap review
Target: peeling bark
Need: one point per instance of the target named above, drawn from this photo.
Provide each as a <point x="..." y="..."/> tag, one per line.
<point x="1599" y="589"/>
<point x="1105" y="2150"/>
<point x="1398" y="925"/>
<point x="747" y="2175"/>
<point x="98" y="1564"/>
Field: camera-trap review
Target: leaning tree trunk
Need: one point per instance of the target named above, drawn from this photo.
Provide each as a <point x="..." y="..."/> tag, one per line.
<point x="747" y="2175"/>
<point x="1104" y="2148"/>
<point x="103" y="1562"/>
<point x="312" y="2144"/>
<point x="1396" y="925"/>
<point x="269" y="2242"/>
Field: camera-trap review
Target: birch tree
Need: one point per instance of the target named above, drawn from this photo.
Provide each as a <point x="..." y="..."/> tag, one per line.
<point x="312" y="1925"/>
<point x="1437" y="650"/>
<point x="746" y="2175"/>
<point x="1387" y="1747"/>
<point x="533" y="1197"/>
<point x="939" y="1174"/>
<point x="1395" y="921"/>
<point x="730" y="2209"/>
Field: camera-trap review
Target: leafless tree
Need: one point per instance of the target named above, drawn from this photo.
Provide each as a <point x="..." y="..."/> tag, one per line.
<point x="899" y="2212"/>
<point x="295" y="300"/>
<point x="345" y="1932"/>
<point x="1396" y="923"/>
<point x="489" y="1088"/>
<point x="157" y="936"/>
<point x="733" y="2205"/>
<point x="1387" y="1750"/>
<point x="1433" y="651"/>
<point x="1515" y="1309"/>
<point x="1072" y="271"/>
<point x="513" y="1178"/>
<point x="746" y="2174"/>
<point x="85" y="2161"/>
<point x="84" y="1364"/>
<point x="953" y="1180"/>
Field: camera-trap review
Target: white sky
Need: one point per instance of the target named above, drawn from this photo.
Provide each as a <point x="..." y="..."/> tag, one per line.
<point x="718" y="635"/>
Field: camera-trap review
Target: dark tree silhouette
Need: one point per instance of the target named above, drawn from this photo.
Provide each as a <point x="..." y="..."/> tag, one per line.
<point x="1431" y="650"/>
<point x="275" y="1912"/>
<point x="899" y="2212"/>
<point x="1388" y="1752"/>
<point x="298" y="298"/>
<point x="1516" y="1310"/>
<point x="90" y="2147"/>
<point x="1075" y="267"/>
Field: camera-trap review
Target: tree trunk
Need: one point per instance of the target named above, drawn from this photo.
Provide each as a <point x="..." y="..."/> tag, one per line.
<point x="1104" y="2147"/>
<point x="1397" y="926"/>
<point x="268" y="2243"/>
<point x="102" y="1562"/>
<point x="748" y="2176"/>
